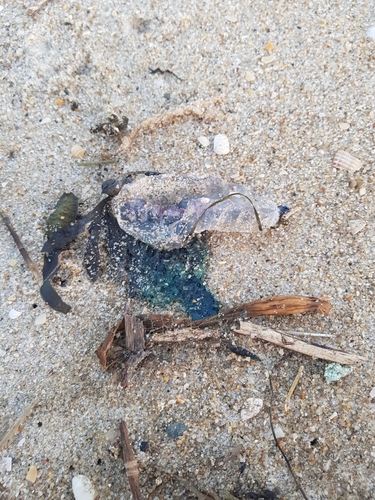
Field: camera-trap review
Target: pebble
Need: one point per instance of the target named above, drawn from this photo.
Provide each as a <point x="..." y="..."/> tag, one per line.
<point x="83" y="488"/>
<point x="13" y="262"/>
<point x="372" y="393"/>
<point x="41" y="319"/>
<point x="268" y="59"/>
<point x="176" y="429"/>
<point x="269" y="46"/>
<point x="13" y="314"/>
<point x="144" y="446"/>
<point x="356" y="225"/>
<point x="249" y="77"/>
<point x="279" y="433"/>
<point x="203" y="141"/>
<point x="59" y="102"/>
<point x="45" y="121"/>
<point x="253" y="407"/>
<point x="77" y="151"/>
<point x="335" y="372"/>
<point x="6" y="464"/>
<point x="362" y="191"/>
<point x="346" y="161"/>
<point x="344" y="126"/>
<point x="32" y="474"/>
<point x="221" y="144"/>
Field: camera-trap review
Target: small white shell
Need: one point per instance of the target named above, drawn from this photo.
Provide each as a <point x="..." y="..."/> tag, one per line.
<point x="203" y="141"/>
<point x="83" y="488"/>
<point x="221" y="144"/>
<point x="346" y="161"/>
<point x="77" y="151"/>
<point x="253" y="407"/>
<point x="356" y="225"/>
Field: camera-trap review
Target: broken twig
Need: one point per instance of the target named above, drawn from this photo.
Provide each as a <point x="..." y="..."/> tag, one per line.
<point x="289" y="342"/>
<point x="26" y="257"/>
<point x="131" y="365"/>
<point x="101" y="351"/>
<point x="14" y="429"/>
<point x="130" y="462"/>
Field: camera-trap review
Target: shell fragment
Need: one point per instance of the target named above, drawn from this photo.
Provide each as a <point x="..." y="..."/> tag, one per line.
<point x="221" y="144"/>
<point x="346" y="161"/>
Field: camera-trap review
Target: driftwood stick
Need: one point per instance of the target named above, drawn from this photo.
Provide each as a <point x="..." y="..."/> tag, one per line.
<point x="184" y="335"/>
<point x="131" y="365"/>
<point x="14" y="428"/>
<point x="130" y="463"/>
<point x="289" y="342"/>
<point x="26" y="257"/>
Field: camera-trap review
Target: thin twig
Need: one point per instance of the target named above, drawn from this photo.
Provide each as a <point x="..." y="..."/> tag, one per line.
<point x="289" y="342"/>
<point x="130" y="463"/>
<point x="26" y="257"/>
<point x="14" y="429"/>
<point x="277" y="443"/>
<point x="90" y="163"/>
<point x="292" y="388"/>
<point x="192" y="488"/>
<point x="37" y="8"/>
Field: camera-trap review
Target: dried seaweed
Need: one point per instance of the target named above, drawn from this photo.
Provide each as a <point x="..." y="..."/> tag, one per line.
<point x="113" y="126"/>
<point x="130" y="463"/>
<point x="241" y="351"/>
<point x="164" y="72"/>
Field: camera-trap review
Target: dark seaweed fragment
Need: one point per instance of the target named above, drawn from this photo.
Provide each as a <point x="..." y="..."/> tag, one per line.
<point x="241" y="351"/>
<point x="61" y="238"/>
<point x="92" y="254"/>
<point x="113" y="126"/>
<point x="47" y="292"/>
<point x="64" y="214"/>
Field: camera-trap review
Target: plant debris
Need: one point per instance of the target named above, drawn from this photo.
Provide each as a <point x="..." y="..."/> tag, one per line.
<point x="114" y="126"/>
<point x="130" y="462"/>
<point x="165" y="72"/>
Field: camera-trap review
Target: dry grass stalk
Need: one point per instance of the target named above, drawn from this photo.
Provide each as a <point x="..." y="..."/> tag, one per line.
<point x="37" y="8"/>
<point x="130" y="463"/>
<point x="14" y="429"/>
<point x="292" y="388"/>
<point x="198" y="109"/>
<point x="26" y="257"/>
<point x="289" y="342"/>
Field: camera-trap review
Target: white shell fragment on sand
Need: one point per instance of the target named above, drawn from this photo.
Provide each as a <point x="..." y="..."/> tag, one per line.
<point x="13" y="314"/>
<point x="6" y="464"/>
<point x="346" y="161"/>
<point x="41" y="319"/>
<point x="253" y="407"/>
<point x="83" y="489"/>
<point x="221" y="144"/>
<point x="356" y="225"/>
<point x="203" y="141"/>
<point x="77" y="151"/>
<point x="249" y="77"/>
<point x="268" y="59"/>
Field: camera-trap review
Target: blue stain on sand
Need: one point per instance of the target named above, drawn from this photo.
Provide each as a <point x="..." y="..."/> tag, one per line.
<point x="162" y="277"/>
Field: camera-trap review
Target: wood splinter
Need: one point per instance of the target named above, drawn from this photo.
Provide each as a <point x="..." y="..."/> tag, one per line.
<point x="130" y="462"/>
<point x="289" y="342"/>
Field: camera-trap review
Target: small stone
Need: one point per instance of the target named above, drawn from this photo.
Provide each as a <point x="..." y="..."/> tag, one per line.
<point x="362" y="191"/>
<point x="158" y="481"/>
<point x="13" y="262"/>
<point x="176" y="429"/>
<point x="41" y="319"/>
<point x="59" y="102"/>
<point x="371" y="32"/>
<point x="221" y="144"/>
<point x="13" y="314"/>
<point x="83" y="489"/>
<point x="6" y="464"/>
<point x="249" y="77"/>
<point x="279" y="433"/>
<point x="269" y="46"/>
<point x="144" y="446"/>
<point x="334" y="415"/>
<point x="344" y="126"/>
<point x="253" y="407"/>
<point x="335" y="372"/>
<point x="203" y="141"/>
<point x="356" y="225"/>
<point x="268" y="59"/>
<point x="372" y="393"/>
<point x="45" y="121"/>
<point x="77" y="151"/>
<point x="32" y="474"/>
